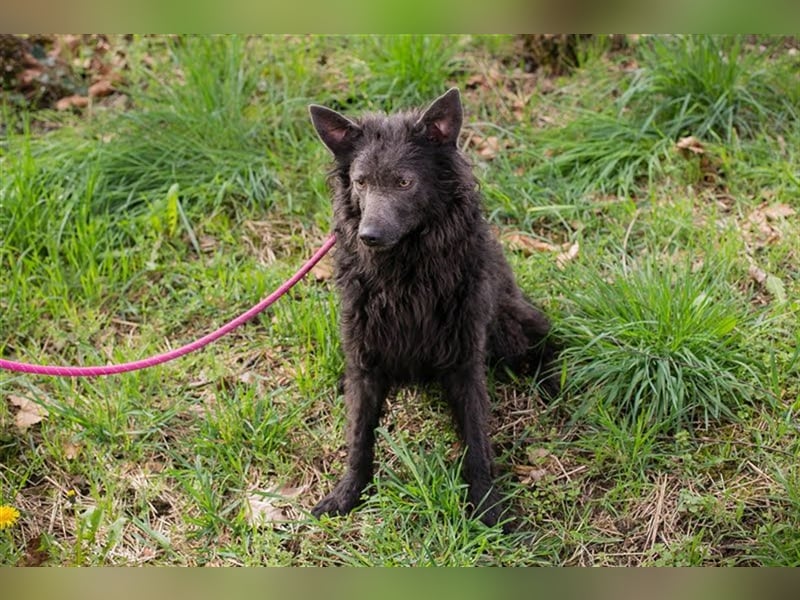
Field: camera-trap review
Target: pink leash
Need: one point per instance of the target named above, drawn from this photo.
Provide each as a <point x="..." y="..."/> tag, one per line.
<point x="173" y="354"/>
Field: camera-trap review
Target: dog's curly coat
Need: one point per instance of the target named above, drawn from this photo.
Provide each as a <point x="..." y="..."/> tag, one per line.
<point x="426" y="293"/>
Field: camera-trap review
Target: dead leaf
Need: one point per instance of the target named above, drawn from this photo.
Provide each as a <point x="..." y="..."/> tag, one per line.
<point x="208" y="244"/>
<point x="563" y="258"/>
<point x="763" y="224"/>
<point x="35" y="553"/>
<point x="29" y="76"/>
<point x="486" y="147"/>
<point x="248" y="377"/>
<point x="520" y="101"/>
<point x="525" y="243"/>
<point x="778" y="211"/>
<point x="265" y="508"/>
<point x="72" y="101"/>
<point x="529" y="474"/>
<point x="29" y="413"/>
<point x="690" y="143"/>
<point x="69" y="41"/>
<point x="101" y="88"/>
<point x="756" y="274"/>
<point x="536" y="455"/>
<point x="71" y="450"/>
<point x="323" y="270"/>
<point x="771" y="283"/>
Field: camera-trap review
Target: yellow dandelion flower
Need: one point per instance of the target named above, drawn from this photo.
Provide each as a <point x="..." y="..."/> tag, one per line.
<point x="8" y="516"/>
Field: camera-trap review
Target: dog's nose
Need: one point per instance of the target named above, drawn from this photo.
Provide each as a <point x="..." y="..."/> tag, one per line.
<point x="370" y="236"/>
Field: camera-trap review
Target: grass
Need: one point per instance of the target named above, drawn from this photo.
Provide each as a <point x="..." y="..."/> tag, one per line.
<point x="662" y="342"/>
<point x="711" y="87"/>
<point x="707" y="87"/>
<point x="125" y="231"/>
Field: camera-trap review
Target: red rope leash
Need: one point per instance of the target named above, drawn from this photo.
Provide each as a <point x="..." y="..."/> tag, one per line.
<point x="173" y="354"/>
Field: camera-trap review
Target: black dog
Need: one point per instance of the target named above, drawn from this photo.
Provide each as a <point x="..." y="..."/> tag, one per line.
<point x="426" y="293"/>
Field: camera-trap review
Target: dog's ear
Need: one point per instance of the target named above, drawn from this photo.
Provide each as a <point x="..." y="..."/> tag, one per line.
<point x="336" y="131"/>
<point x="442" y="121"/>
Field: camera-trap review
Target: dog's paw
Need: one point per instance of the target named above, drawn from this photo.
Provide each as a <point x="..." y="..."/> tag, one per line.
<point x="331" y="505"/>
<point x="344" y="498"/>
<point x="495" y="516"/>
<point x="489" y="510"/>
<point x="489" y="516"/>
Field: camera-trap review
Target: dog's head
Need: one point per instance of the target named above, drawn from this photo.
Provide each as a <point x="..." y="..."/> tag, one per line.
<point x="392" y="167"/>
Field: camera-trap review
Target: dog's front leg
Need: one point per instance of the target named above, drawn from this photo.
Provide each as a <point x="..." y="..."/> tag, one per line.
<point x="364" y="396"/>
<point x="465" y="390"/>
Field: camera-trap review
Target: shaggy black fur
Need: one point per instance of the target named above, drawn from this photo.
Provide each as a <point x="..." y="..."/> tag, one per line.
<point x="426" y="293"/>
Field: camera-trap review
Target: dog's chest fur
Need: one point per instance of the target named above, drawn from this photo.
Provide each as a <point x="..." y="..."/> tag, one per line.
<point x="401" y="315"/>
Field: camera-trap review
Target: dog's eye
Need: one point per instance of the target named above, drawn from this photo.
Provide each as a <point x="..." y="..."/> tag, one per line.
<point x="360" y="183"/>
<point x="403" y="182"/>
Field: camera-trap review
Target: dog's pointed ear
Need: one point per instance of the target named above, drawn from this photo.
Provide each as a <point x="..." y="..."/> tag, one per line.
<point x="442" y="121"/>
<point x="336" y="131"/>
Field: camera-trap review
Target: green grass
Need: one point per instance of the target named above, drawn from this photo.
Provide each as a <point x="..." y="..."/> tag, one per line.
<point x="712" y="88"/>
<point x="662" y="342"/>
<point x="391" y="72"/>
<point x="606" y="154"/>
<point x="125" y="232"/>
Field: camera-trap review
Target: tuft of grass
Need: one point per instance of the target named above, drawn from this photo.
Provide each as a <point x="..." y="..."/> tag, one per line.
<point x="416" y="67"/>
<point x="195" y="126"/>
<point x="605" y="153"/>
<point x="662" y="343"/>
<point x="391" y="72"/>
<point x="709" y="86"/>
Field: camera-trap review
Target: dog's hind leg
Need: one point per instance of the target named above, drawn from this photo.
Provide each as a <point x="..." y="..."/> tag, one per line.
<point x="364" y="395"/>
<point x="465" y="390"/>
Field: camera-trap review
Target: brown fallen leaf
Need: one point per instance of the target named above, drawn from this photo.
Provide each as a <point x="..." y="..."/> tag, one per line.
<point x="770" y="283"/>
<point x="563" y="258"/>
<point x="519" y="106"/>
<point x="529" y="474"/>
<point x="69" y="41"/>
<point x="71" y="450"/>
<point x="271" y="507"/>
<point x="756" y="274"/>
<point x="28" y="77"/>
<point x="248" y="377"/>
<point x="101" y="88"/>
<point x="778" y="211"/>
<point x="68" y="102"/>
<point x="486" y="147"/>
<point x="323" y="270"/>
<point x="35" y="553"/>
<point x="690" y="143"/>
<point x="29" y="412"/>
<point x="208" y="244"/>
<point x="525" y="243"/>
<point x="763" y="223"/>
